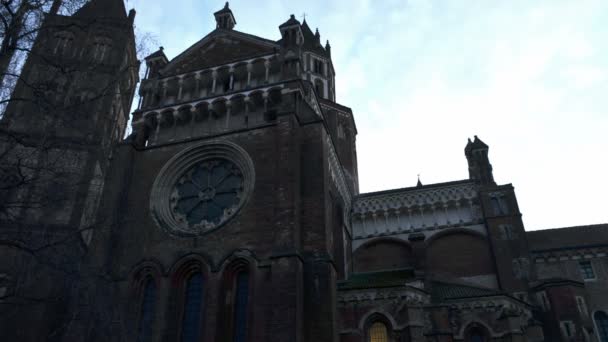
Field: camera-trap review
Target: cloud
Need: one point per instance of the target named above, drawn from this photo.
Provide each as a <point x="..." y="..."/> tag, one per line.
<point x="530" y="78"/>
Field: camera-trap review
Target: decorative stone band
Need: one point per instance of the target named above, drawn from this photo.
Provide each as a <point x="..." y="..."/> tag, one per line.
<point x="415" y="210"/>
<point x="412" y="197"/>
<point x="174" y="169"/>
<point x="467" y="310"/>
<point x="336" y="173"/>
<point x="576" y="254"/>
<point x="406" y="294"/>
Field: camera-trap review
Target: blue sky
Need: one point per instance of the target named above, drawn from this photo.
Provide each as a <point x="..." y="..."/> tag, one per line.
<point x="530" y="78"/>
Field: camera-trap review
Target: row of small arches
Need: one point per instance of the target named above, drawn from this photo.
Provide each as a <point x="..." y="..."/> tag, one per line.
<point x="204" y="110"/>
<point x="209" y="82"/>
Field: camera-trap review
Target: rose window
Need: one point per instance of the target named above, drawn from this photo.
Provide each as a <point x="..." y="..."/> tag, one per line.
<point x="208" y="194"/>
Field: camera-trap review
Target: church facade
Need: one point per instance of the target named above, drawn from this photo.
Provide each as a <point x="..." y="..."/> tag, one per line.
<point x="233" y="211"/>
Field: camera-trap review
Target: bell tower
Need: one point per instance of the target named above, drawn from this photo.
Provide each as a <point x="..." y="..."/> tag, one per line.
<point x="67" y="112"/>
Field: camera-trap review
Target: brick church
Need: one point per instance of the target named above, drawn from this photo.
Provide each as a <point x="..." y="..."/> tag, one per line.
<point x="232" y="212"/>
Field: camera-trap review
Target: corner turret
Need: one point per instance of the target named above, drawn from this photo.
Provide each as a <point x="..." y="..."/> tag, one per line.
<point x="224" y="18"/>
<point x="480" y="169"/>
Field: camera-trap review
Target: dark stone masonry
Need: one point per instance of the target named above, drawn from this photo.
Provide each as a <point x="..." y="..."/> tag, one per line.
<point x="233" y="212"/>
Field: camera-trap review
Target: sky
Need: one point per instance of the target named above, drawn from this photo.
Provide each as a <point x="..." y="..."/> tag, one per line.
<point x="530" y="78"/>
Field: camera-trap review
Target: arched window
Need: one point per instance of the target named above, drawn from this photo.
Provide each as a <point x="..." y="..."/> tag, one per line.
<point x="378" y="332"/>
<point x="240" y="306"/>
<point x="601" y="322"/>
<point x="193" y="303"/>
<point x="476" y="335"/>
<point x="147" y="311"/>
<point x="319" y="88"/>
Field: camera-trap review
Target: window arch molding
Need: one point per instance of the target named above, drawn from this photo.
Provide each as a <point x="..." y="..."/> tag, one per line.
<point x="470" y="326"/>
<point x="372" y="318"/>
<point x="598" y="316"/>
<point x="454" y="231"/>
<point x="182" y="273"/>
<point x="238" y="267"/>
<point x="145" y="284"/>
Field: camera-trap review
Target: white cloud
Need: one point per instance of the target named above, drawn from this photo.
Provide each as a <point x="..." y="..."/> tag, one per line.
<point x="530" y="78"/>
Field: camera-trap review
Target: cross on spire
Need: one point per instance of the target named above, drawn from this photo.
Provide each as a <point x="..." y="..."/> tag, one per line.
<point x="304" y="16"/>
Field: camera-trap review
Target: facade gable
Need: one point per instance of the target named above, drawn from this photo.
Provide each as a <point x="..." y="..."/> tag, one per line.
<point x="219" y="47"/>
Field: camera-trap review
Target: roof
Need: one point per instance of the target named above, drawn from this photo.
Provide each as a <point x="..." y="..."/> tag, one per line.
<point x="114" y="9"/>
<point x="568" y="238"/>
<point x="291" y="22"/>
<point x="369" y="280"/>
<point x="158" y="53"/>
<point x="475" y="144"/>
<point x="311" y="42"/>
<point x="226" y="9"/>
<point x="443" y="290"/>
<point x="416" y="188"/>
<point x="551" y="282"/>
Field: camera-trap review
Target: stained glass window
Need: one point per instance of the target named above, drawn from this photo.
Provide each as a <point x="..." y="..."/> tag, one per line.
<point x="148" y="305"/>
<point x="209" y="193"/>
<point x="191" y="329"/>
<point x="378" y="333"/>
<point x="601" y="321"/>
<point x="240" y="307"/>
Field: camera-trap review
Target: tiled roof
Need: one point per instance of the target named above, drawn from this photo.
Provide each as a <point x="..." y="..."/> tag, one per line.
<point x="376" y="279"/>
<point x="442" y="291"/>
<point x="568" y="238"/>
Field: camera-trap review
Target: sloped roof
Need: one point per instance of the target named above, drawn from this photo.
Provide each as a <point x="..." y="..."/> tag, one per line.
<point x="114" y="9"/>
<point x="218" y="47"/>
<point x="310" y="40"/>
<point x="292" y="21"/>
<point x="381" y="279"/>
<point x="158" y="53"/>
<point x="442" y="290"/>
<point x="475" y="144"/>
<point x="568" y="238"/>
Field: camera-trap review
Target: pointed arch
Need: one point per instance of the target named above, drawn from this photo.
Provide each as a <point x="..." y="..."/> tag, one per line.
<point x="600" y="319"/>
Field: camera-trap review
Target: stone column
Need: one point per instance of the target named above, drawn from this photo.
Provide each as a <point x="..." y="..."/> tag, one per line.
<point x="249" y="68"/>
<point x="180" y="83"/>
<point x="265" y="95"/>
<point x="267" y="66"/>
<point x="231" y="78"/>
<point x="165" y="87"/>
<point x="197" y="86"/>
<point x="214" y="75"/>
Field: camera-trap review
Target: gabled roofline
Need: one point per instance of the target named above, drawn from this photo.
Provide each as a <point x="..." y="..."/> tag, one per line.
<point x="416" y="188"/>
<point x="218" y="32"/>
